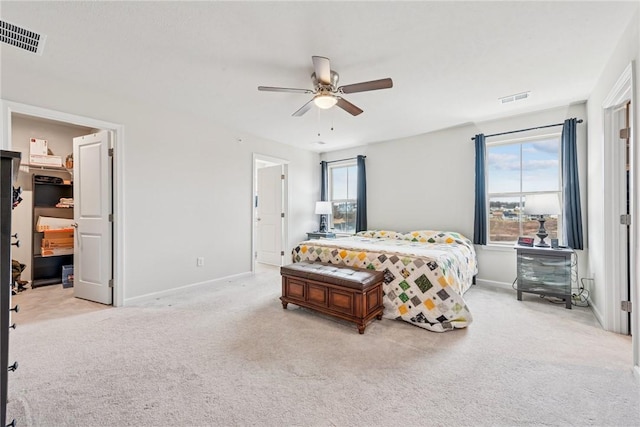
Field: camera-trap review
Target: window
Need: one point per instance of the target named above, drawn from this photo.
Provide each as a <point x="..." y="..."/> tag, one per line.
<point x="515" y="170"/>
<point x="343" y="189"/>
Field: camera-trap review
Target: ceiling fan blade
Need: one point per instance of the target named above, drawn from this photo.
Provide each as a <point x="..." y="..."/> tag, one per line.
<point x="365" y="86"/>
<point x="348" y="107"/>
<point x="283" y="89"/>
<point x="303" y="109"/>
<point x="322" y="67"/>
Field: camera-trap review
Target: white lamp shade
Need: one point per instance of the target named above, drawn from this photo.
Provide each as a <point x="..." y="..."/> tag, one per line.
<point x="542" y="204"/>
<point x="323" y="208"/>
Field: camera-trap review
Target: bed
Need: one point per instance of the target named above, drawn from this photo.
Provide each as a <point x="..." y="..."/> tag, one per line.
<point x="426" y="272"/>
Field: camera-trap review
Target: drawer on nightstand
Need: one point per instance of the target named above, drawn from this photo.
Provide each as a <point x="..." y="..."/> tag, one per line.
<point x="320" y="235"/>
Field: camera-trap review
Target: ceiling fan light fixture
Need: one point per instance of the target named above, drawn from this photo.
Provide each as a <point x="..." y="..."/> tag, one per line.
<point x="325" y="101"/>
<point x="326" y="92"/>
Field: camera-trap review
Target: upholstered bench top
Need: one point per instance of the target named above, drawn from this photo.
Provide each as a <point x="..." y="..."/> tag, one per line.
<point x="341" y="275"/>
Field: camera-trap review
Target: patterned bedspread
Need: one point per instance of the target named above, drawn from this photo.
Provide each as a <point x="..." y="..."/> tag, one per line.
<point x="426" y="272"/>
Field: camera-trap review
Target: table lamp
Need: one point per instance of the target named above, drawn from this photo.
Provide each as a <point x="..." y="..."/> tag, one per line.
<point x="540" y="205"/>
<point x="323" y="209"/>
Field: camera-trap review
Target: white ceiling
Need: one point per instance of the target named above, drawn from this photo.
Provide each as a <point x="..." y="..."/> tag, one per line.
<point x="449" y="61"/>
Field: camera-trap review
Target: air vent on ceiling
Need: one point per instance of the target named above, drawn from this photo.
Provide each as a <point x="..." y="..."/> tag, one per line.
<point x="21" y="38"/>
<point x="516" y="97"/>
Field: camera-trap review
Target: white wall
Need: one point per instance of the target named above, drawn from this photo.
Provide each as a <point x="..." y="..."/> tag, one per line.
<point x="60" y="141"/>
<point x="626" y="52"/>
<point x="187" y="182"/>
<point x="427" y="182"/>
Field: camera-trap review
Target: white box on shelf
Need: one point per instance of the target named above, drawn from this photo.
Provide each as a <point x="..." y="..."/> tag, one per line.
<point x="38" y="160"/>
<point x="38" y="147"/>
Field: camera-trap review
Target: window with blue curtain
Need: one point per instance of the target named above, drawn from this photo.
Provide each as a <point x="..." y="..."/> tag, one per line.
<point x="344" y="184"/>
<point x="571" y="213"/>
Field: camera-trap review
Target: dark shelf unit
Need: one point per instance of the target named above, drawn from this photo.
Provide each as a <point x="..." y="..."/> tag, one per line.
<point x="47" y="270"/>
<point x="545" y="271"/>
<point x="9" y="165"/>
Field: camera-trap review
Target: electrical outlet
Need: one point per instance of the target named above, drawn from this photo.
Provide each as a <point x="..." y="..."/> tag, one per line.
<point x="200" y="261"/>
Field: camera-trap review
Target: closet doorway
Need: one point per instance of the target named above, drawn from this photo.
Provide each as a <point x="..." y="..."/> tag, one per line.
<point x="94" y="146"/>
<point x="270" y="210"/>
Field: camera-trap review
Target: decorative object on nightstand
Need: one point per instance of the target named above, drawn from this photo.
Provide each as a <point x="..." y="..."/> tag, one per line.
<point x="541" y="205"/>
<point x="323" y="209"/>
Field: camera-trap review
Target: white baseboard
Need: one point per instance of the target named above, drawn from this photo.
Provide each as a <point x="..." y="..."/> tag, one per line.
<point x="171" y="291"/>
<point x="596" y="313"/>
<point x="494" y="283"/>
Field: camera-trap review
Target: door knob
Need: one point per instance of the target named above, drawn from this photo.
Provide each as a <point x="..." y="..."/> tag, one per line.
<point x="16" y="308"/>
<point x="13" y="367"/>
<point x="16" y="243"/>
<point x="15" y="236"/>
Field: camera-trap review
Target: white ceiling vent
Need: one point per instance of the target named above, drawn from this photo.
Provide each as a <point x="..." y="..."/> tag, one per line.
<point x="21" y="38"/>
<point x="512" y="98"/>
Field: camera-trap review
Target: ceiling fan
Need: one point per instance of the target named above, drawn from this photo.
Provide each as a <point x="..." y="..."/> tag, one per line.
<point x="326" y="92"/>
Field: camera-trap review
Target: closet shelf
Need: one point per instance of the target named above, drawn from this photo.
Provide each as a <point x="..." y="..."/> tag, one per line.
<point x="47" y="269"/>
<point x="29" y="167"/>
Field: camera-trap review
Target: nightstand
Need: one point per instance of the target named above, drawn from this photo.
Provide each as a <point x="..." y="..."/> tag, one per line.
<point x="320" y="235"/>
<point x="544" y="271"/>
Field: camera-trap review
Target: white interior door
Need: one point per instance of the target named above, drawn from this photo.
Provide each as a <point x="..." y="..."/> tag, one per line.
<point x="269" y="212"/>
<point x="622" y="114"/>
<point x="92" y="258"/>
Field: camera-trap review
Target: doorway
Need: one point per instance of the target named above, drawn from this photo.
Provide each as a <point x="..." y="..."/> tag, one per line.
<point x="270" y="210"/>
<point x="620" y="202"/>
<point x="11" y="111"/>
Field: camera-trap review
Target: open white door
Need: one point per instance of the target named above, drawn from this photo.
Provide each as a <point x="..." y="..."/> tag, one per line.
<point x="269" y="215"/>
<point x="92" y="258"/>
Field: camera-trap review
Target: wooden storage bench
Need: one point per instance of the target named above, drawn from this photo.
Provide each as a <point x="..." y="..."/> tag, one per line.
<point x="349" y="293"/>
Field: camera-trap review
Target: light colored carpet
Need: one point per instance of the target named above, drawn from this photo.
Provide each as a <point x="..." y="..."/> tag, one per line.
<point x="228" y="354"/>
<point x="50" y="302"/>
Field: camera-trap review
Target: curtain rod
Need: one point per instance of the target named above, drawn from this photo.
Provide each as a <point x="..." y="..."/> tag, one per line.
<point x="524" y="130"/>
<point x="342" y="160"/>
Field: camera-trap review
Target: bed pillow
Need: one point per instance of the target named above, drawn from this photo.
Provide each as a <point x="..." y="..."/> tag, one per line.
<point x="380" y="234"/>
<point x="436" y="236"/>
